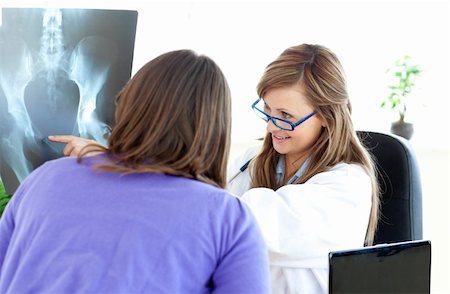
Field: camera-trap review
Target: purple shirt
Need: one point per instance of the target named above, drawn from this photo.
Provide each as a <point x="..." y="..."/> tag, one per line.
<point x="71" y="229"/>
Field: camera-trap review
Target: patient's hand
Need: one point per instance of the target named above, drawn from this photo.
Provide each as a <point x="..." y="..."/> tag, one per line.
<point x="73" y="144"/>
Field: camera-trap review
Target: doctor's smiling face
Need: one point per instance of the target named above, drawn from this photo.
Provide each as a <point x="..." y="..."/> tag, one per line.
<point x="289" y="103"/>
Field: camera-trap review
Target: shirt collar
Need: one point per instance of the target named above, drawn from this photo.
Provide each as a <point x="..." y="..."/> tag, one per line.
<point x="279" y="169"/>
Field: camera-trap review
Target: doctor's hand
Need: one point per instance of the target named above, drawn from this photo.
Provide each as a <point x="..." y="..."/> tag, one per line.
<point x="73" y="144"/>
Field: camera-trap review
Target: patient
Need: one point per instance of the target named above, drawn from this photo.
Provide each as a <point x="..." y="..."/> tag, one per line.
<point x="148" y="213"/>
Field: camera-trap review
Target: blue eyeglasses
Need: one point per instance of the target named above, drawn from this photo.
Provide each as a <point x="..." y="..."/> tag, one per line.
<point x="279" y="122"/>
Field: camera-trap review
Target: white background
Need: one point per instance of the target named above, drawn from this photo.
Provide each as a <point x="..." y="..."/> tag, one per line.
<point x="368" y="36"/>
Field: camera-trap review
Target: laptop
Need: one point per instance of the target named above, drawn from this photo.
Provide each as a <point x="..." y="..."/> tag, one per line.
<point x="403" y="267"/>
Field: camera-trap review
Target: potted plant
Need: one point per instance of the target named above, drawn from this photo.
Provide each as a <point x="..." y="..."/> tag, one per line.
<point x="404" y="77"/>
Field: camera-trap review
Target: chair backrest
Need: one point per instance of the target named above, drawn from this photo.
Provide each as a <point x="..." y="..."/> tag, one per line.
<point x="400" y="187"/>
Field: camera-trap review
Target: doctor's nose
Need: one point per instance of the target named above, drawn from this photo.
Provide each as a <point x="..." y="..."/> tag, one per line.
<point x="271" y="127"/>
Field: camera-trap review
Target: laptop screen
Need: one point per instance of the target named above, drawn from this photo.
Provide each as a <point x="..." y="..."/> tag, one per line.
<point x="388" y="268"/>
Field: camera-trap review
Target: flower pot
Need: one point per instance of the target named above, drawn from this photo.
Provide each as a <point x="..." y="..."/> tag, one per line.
<point x="402" y="129"/>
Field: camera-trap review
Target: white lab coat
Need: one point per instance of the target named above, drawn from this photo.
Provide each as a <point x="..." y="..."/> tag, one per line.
<point x="302" y="223"/>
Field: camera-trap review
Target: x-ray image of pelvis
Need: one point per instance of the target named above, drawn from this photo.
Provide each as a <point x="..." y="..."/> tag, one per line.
<point x="60" y="71"/>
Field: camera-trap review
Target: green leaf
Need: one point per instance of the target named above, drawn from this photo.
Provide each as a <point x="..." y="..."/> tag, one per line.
<point x="4" y="198"/>
<point x="403" y="75"/>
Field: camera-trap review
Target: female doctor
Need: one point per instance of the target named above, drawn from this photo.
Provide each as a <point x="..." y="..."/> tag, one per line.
<point x="312" y="185"/>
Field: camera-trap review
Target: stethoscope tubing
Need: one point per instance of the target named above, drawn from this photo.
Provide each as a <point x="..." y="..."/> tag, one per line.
<point x="241" y="170"/>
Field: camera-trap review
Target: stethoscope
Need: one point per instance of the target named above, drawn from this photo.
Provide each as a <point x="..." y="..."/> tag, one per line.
<point x="291" y="180"/>
<point x="241" y="170"/>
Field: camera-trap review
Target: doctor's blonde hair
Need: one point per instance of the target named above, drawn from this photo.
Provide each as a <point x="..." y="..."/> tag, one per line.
<point x="318" y="71"/>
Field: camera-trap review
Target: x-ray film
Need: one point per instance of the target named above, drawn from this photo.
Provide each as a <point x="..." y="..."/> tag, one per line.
<point x="60" y="70"/>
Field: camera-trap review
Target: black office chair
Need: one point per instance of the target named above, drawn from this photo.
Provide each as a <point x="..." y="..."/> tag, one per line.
<point x="400" y="187"/>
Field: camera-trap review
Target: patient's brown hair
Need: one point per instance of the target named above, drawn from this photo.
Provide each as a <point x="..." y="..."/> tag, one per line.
<point x="172" y="117"/>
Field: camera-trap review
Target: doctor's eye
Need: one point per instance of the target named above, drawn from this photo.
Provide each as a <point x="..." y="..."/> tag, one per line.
<point x="285" y="115"/>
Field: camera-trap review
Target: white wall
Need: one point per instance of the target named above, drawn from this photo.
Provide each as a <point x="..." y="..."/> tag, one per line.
<point x="243" y="37"/>
<point x="368" y="36"/>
